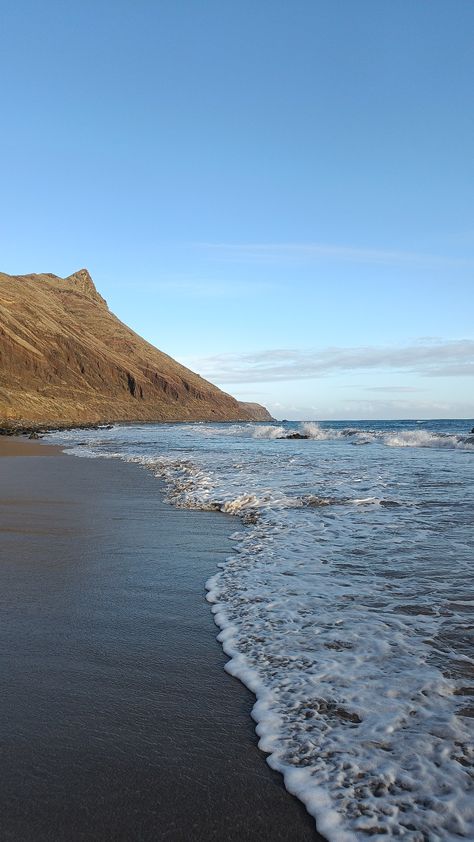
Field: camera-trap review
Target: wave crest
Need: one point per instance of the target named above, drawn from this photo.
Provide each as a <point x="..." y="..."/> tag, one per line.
<point x="394" y="438"/>
<point x="269" y="431"/>
<point x="423" y="438"/>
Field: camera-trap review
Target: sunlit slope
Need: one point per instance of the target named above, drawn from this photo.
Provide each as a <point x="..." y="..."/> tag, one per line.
<point x="65" y="358"/>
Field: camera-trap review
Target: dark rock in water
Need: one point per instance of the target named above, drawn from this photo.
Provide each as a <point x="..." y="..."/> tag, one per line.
<point x="34" y="435"/>
<point x="294" y="436"/>
<point x="472" y="431"/>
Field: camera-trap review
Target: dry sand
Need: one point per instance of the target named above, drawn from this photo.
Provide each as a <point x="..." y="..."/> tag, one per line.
<point x="17" y="446"/>
<point x="117" y="720"/>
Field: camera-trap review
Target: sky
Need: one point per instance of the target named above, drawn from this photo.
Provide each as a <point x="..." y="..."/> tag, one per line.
<point x="277" y="194"/>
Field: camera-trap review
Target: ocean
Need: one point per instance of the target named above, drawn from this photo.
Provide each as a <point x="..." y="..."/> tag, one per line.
<point x="346" y="606"/>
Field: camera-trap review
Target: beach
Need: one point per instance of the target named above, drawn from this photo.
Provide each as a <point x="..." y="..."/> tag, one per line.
<point x="343" y="599"/>
<point x="118" y="721"/>
<point x="17" y="446"/>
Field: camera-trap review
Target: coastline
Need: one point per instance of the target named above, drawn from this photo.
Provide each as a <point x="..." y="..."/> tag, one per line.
<point x="119" y="720"/>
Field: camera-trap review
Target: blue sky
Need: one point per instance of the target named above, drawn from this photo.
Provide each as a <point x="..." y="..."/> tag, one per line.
<point x="277" y="194"/>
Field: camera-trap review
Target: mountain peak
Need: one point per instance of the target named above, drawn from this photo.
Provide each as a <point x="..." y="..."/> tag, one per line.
<point x="83" y="282"/>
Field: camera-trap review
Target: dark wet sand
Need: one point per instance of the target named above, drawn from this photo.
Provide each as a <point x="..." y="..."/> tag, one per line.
<point x="117" y="720"/>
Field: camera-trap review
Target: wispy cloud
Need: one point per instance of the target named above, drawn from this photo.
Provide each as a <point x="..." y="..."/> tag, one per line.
<point x="202" y="288"/>
<point x="297" y="252"/>
<point x="389" y="389"/>
<point x="442" y="358"/>
<point x="404" y="409"/>
<point x="366" y="409"/>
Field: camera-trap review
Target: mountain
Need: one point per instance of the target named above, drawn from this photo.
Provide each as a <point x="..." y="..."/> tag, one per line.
<point x="66" y="359"/>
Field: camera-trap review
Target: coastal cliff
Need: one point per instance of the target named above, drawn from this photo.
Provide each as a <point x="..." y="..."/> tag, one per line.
<point x="66" y="359"/>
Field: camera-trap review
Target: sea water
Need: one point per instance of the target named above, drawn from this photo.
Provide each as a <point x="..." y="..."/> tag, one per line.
<point x="347" y="605"/>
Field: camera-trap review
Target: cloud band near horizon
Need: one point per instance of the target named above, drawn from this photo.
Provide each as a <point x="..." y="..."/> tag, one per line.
<point x="434" y="358"/>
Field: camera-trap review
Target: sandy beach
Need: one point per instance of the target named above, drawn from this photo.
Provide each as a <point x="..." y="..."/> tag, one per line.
<point x="118" y="721"/>
<point x="15" y="446"/>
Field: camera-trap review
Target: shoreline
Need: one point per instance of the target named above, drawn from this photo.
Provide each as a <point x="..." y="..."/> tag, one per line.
<point x="35" y="429"/>
<point x="119" y="719"/>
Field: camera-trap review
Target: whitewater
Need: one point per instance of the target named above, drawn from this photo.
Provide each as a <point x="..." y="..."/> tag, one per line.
<point x="346" y="606"/>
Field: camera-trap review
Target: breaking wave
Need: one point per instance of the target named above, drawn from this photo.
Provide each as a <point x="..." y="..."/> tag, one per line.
<point x="423" y="438"/>
<point x="269" y="431"/>
<point x="402" y="438"/>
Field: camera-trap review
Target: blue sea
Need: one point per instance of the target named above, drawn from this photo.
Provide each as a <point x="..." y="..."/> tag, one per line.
<point x="347" y="605"/>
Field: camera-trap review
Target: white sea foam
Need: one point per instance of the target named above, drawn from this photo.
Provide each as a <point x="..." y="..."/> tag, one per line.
<point x="423" y="438"/>
<point x="344" y="609"/>
<point x="311" y="429"/>
<point x="350" y="707"/>
<point x="269" y="431"/>
<point x="308" y="428"/>
<point x="317" y="433"/>
<point x="399" y="438"/>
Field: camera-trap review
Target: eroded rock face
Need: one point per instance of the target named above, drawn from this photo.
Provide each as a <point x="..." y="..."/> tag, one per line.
<point x="65" y="358"/>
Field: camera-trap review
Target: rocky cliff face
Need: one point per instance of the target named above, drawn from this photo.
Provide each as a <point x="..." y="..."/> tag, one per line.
<point x="66" y="359"/>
